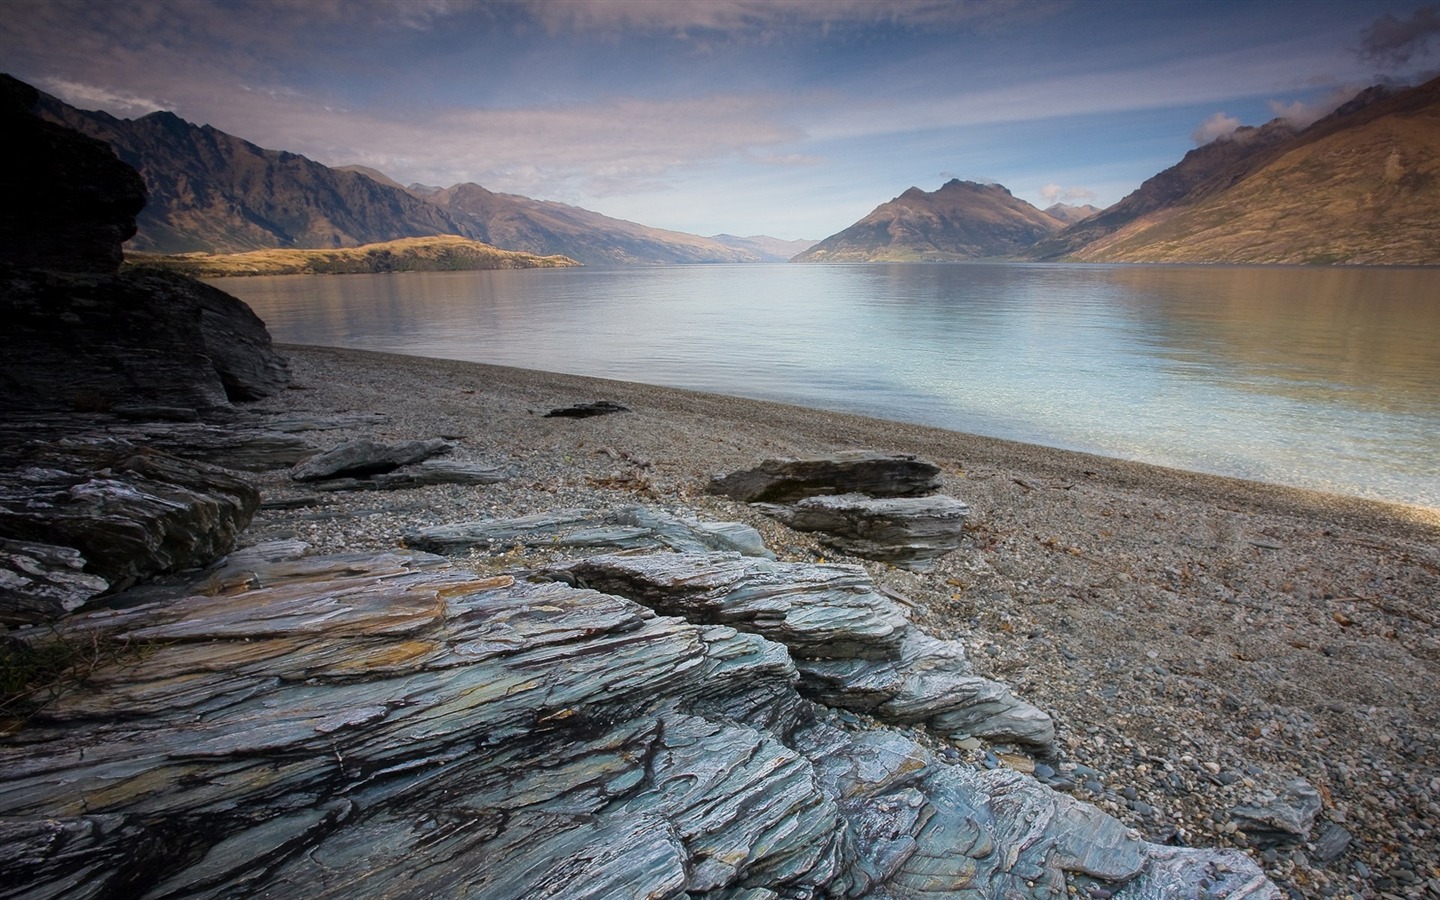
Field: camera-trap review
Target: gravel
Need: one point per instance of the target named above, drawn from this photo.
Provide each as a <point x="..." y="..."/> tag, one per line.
<point x="1201" y="642"/>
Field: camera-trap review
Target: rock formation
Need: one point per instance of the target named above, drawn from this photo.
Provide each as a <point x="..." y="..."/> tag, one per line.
<point x="79" y="336"/>
<point x="866" y="504"/>
<point x="66" y="202"/>
<point x="79" y="518"/>
<point x="390" y="725"/>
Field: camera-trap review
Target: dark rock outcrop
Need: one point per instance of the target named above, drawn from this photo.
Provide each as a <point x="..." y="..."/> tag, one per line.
<point x="388" y="725"/>
<point x="141" y="339"/>
<point x="363" y="457"/>
<point x="586" y="410"/>
<point x="910" y="532"/>
<point x="846" y="472"/>
<point x="108" y="510"/>
<point x="872" y="505"/>
<point x="67" y="203"/>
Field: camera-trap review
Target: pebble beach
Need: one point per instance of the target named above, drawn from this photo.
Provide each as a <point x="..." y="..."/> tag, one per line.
<point x="1202" y="643"/>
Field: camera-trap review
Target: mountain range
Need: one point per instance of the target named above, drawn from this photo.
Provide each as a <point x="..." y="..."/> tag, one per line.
<point x="1359" y="186"/>
<point x="216" y="193"/>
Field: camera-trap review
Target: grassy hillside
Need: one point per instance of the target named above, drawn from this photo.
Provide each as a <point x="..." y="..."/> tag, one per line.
<point x="441" y="253"/>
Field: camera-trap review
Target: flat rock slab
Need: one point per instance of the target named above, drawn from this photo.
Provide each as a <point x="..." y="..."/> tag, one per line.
<point x="363" y="457"/>
<point x="785" y="480"/>
<point x="627" y="528"/>
<point x="853" y="646"/>
<point x="909" y="532"/>
<point x="389" y="725"/>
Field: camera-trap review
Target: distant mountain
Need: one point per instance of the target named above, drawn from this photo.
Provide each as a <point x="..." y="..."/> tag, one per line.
<point x="1071" y="214"/>
<point x="215" y="193"/>
<point x="1360" y="186"/>
<point x="544" y="227"/>
<point x="961" y="220"/>
<point x="768" y="248"/>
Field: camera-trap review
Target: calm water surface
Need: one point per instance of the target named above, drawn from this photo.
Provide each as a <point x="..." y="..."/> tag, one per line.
<point x="1321" y="378"/>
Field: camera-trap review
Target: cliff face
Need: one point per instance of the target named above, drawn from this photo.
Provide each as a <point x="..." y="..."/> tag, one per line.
<point x="68" y="202"/>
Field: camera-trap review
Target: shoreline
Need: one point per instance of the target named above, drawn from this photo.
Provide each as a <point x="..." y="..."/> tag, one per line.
<point x="1200" y="641"/>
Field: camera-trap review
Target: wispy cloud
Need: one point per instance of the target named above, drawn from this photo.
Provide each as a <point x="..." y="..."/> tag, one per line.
<point x="1073" y="196"/>
<point x="1217" y="126"/>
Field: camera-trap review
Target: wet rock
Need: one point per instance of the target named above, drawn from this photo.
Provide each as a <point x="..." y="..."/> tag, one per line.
<point x="363" y="457"/>
<point x="1283" y="819"/>
<point x="128" y="512"/>
<point x="846" y="472"/>
<point x="587" y="410"/>
<point x="627" y="528"/>
<point x="853" y="646"/>
<point x="910" y="532"/>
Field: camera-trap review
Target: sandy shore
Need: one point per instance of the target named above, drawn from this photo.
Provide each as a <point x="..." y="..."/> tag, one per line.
<point x="1200" y="641"/>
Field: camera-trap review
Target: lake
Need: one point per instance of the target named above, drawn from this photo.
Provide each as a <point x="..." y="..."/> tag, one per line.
<point x="1318" y="378"/>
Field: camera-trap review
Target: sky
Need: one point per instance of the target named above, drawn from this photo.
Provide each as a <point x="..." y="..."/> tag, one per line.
<point x="790" y="118"/>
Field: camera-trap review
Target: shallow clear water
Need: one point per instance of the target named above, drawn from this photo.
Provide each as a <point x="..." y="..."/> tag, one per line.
<point x="1321" y="378"/>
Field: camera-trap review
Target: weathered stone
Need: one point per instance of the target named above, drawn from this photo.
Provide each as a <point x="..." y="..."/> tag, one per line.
<point x="428" y="472"/>
<point x="364" y="457"/>
<point x="853" y="646"/>
<point x="845" y="472"/>
<point x="388" y="725"/>
<point x="128" y="512"/>
<point x="627" y="528"/>
<point x="910" y="532"/>
<point x="587" y="410"/>
<point x="1283" y="819"/>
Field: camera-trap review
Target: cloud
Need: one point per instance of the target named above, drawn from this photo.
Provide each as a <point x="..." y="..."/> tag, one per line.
<point x="1071" y="196"/>
<point x="89" y="96"/>
<point x="1394" y="42"/>
<point x="1302" y="114"/>
<point x="1217" y="126"/>
<point x="765" y="18"/>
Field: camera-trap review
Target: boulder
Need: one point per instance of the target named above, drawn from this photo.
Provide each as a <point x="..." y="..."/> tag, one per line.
<point x="127" y="512"/>
<point x="363" y="457"/>
<point x="142" y="339"/>
<point x="909" y="532"/>
<point x="854" y="648"/>
<point x="845" y="472"/>
<point x="388" y="725"/>
<point x="587" y="410"/>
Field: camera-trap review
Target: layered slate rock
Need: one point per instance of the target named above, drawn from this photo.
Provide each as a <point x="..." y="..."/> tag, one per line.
<point x="785" y="480"/>
<point x="871" y="505"/>
<point x="853" y="646"/>
<point x="911" y="532"/>
<point x="1285" y="818"/>
<point x="363" y="457"/>
<point x="108" y="510"/>
<point x="626" y="528"/>
<point x="391" y="726"/>
<point x="422" y="474"/>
